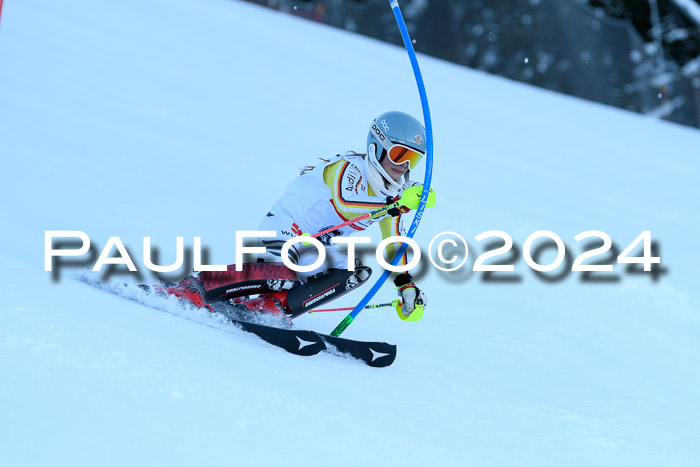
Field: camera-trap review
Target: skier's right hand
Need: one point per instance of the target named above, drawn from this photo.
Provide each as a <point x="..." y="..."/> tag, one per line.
<point x="409" y="199"/>
<point x="411" y="196"/>
<point x="397" y="211"/>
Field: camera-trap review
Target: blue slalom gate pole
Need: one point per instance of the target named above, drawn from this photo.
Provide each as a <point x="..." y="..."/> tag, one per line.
<point x="426" y="182"/>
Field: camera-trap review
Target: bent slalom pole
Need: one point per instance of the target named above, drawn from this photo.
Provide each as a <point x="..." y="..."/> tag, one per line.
<point x="428" y="173"/>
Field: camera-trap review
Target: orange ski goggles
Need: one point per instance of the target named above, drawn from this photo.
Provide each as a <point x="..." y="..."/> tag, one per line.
<point x="398" y="153"/>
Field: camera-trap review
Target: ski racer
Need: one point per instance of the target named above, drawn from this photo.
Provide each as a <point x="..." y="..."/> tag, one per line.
<point x="339" y="190"/>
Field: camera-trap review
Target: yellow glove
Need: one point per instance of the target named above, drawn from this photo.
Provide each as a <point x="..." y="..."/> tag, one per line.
<point x="413" y="299"/>
<point x="410" y="197"/>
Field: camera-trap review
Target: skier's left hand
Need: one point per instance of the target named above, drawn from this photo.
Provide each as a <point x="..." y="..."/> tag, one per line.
<point x="413" y="299"/>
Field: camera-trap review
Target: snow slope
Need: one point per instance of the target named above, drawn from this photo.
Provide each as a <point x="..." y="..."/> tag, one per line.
<point x="175" y="118"/>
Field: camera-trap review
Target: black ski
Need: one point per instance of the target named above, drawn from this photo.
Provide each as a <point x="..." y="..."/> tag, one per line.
<point x="376" y="354"/>
<point x="303" y="342"/>
<point x="296" y="341"/>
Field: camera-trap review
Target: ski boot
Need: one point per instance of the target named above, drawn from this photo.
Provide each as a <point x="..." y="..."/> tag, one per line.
<point x="188" y="290"/>
<point x="272" y="304"/>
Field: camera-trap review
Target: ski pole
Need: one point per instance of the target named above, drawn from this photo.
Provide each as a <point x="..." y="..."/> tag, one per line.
<point x="378" y="305"/>
<point x="376" y="212"/>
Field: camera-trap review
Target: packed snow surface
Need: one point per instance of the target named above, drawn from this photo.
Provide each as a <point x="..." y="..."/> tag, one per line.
<point x="180" y="118"/>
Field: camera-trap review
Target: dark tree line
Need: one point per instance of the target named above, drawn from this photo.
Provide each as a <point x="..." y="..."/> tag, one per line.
<point x="618" y="52"/>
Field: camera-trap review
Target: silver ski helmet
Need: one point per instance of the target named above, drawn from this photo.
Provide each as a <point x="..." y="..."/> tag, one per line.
<point x="399" y="133"/>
